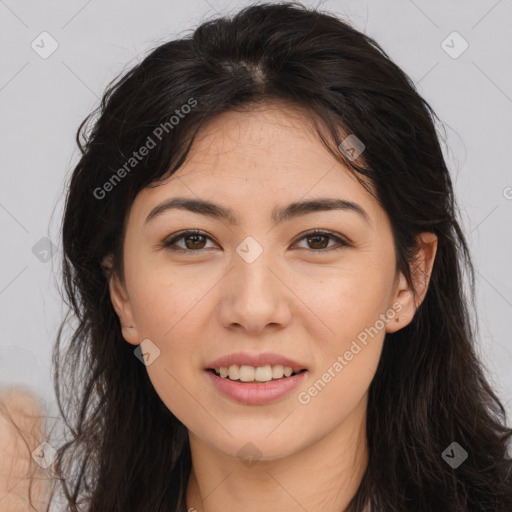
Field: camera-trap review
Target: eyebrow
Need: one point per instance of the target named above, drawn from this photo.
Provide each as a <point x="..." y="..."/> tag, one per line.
<point x="279" y="214"/>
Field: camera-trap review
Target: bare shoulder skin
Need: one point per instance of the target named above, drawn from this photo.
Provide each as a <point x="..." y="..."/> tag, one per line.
<point x="21" y="433"/>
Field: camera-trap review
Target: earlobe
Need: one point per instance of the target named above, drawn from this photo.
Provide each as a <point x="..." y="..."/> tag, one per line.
<point x="122" y="306"/>
<point x="403" y="305"/>
<point x="421" y="270"/>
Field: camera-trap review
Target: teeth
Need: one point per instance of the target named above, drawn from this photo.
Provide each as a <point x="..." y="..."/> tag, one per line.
<point x="263" y="373"/>
<point x="246" y="373"/>
<point x="234" y="372"/>
<point x="277" y="371"/>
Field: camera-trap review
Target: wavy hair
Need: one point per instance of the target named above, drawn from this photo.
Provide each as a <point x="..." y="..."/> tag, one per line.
<point x="126" y="451"/>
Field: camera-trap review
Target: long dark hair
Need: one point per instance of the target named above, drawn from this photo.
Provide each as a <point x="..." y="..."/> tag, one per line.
<point x="126" y="450"/>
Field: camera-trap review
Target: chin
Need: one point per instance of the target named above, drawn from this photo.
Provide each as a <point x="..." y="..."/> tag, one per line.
<point x="258" y="445"/>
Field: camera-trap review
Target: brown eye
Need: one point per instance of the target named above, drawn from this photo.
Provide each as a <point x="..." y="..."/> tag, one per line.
<point x="194" y="241"/>
<point x="318" y="241"/>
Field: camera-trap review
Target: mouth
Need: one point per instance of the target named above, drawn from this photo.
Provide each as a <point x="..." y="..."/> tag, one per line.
<point x="256" y="385"/>
<point x="255" y="374"/>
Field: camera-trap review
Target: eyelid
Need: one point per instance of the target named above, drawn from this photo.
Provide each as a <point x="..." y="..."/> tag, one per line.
<point x="183" y="234"/>
<point x="340" y="239"/>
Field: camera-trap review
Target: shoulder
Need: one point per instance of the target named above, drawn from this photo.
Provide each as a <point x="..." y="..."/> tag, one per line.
<point x="21" y="433"/>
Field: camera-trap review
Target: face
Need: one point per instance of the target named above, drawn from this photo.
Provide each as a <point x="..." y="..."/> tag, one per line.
<point x="261" y="290"/>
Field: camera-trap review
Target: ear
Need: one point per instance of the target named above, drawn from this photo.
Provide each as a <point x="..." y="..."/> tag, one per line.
<point x="405" y="302"/>
<point x="121" y="302"/>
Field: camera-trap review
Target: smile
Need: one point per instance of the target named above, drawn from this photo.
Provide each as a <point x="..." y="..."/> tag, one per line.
<point x="255" y="392"/>
<point x="247" y="373"/>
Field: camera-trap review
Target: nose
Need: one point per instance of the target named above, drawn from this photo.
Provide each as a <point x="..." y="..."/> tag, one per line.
<point x="255" y="297"/>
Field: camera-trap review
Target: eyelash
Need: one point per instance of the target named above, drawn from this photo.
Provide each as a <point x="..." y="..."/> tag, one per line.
<point x="191" y="232"/>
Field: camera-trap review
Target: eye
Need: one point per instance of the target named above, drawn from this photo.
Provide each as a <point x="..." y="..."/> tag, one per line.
<point x="314" y="239"/>
<point x="189" y="234"/>
<point x="194" y="241"/>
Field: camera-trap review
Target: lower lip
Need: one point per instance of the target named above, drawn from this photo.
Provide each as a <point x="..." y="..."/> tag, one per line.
<point x="256" y="393"/>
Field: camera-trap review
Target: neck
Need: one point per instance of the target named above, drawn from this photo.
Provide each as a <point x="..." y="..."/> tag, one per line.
<point x="321" y="476"/>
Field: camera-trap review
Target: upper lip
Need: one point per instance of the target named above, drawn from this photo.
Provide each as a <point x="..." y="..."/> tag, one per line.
<point x="263" y="359"/>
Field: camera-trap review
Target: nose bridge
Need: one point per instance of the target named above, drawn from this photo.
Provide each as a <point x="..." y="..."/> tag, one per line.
<point x="253" y="277"/>
<point x="255" y="296"/>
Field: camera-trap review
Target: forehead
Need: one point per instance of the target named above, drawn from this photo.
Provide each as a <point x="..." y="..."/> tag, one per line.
<point x="269" y="136"/>
<point x="267" y="154"/>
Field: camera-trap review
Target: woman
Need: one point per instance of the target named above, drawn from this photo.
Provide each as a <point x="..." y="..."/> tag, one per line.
<point x="263" y="254"/>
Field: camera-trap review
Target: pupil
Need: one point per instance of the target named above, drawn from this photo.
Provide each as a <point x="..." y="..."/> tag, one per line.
<point x="316" y="237"/>
<point x="194" y="236"/>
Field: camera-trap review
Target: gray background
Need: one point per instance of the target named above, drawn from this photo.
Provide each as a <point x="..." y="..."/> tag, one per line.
<point x="43" y="101"/>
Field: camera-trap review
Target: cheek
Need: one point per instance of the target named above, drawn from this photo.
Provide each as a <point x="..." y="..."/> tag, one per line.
<point x="161" y="304"/>
<point x="166" y="321"/>
<point x="349" y="356"/>
<point x="170" y="315"/>
<point x="350" y="353"/>
<point x="353" y="303"/>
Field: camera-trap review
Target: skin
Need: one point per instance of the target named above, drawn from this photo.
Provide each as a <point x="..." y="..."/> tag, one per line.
<point x="22" y="481"/>
<point x="293" y="300"/>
